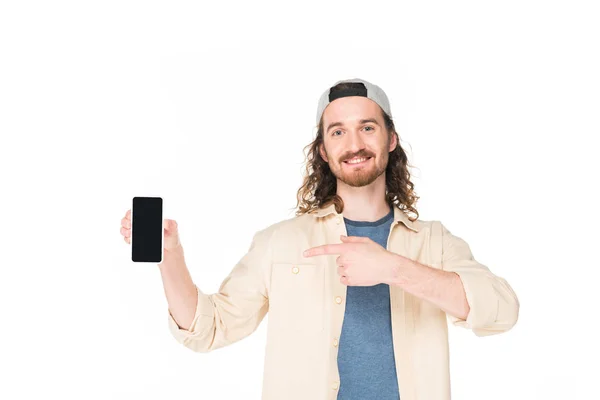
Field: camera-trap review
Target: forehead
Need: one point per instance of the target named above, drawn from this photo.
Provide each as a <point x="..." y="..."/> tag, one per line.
<point x="347" y="109"/>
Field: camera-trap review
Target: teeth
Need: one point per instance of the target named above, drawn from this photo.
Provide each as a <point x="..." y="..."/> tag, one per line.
<point x="356" y="160"/>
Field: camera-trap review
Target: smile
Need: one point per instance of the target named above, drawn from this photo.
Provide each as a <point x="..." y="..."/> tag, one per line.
<point x="357" y="161"/>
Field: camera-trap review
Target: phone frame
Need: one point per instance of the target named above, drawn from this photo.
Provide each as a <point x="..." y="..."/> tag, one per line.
<point x="162" y="232"/>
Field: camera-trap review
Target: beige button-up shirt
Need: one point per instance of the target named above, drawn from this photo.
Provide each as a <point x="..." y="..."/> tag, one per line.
<point x="306" y="302"/>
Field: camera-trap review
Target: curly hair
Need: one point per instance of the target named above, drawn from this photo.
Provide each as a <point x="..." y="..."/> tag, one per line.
<point x="320" y="184"/>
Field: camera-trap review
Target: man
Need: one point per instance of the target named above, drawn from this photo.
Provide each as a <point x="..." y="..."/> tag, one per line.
<point x="358" y="293"/>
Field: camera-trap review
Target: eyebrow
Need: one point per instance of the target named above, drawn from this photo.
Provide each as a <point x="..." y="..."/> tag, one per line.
<point x="362" y="121"/>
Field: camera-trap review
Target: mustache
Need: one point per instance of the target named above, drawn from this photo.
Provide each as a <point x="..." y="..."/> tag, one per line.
<point x="357" y="155"/>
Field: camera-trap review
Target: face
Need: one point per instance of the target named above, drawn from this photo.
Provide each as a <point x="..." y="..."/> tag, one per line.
<point x="353" y="127"/>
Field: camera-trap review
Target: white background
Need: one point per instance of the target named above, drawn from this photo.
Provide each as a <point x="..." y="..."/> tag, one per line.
<point x="210" y="106"/>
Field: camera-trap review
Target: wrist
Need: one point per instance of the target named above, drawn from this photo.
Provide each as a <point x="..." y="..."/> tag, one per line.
<point x="175" y="250"/>
<point x="172" y="255"/>
<point x="397" y="265"/>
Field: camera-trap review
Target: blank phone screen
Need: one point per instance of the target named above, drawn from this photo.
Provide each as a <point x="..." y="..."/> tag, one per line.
<point x="147" y="229"/>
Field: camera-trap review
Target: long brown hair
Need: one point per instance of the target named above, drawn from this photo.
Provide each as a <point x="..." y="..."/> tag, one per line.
<point x="320" y="185"/>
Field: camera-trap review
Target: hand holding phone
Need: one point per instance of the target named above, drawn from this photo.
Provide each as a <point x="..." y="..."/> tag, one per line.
<point x="147" y="231"/>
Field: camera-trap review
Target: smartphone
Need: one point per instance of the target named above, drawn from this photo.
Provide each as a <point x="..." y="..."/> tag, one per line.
<point x="147" y="233"/>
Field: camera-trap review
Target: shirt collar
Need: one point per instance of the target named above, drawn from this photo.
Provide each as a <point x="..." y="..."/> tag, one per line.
<point x="399" y="215"/>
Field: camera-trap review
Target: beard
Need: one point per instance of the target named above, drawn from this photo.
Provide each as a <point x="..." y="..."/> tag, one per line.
<point x="359" y="175"/>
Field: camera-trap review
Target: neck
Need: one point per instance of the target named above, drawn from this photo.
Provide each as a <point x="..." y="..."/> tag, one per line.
<point x="366" y="203"/>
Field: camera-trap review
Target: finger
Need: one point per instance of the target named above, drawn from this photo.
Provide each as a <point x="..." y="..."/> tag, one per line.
<point x="126" y="232"/>
<point x="352" y="239"/>
<point x="127" y="240"/>
<point x="341" y="270"/>
<point x="126" y="223"/>
<point x="170" y="225"/>
<point x="339" y="261"/>
<point x="128" y="214"/>
<point x="324" y="249"/>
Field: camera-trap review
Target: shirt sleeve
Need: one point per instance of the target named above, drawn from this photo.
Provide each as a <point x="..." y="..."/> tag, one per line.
<point x="494" y="306"/>
<point x="237" y="309"/>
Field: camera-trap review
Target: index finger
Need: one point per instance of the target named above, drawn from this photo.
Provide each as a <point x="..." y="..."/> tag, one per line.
<point x="325" y="249"/>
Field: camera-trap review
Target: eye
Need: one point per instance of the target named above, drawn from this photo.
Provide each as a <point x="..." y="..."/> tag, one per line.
<point x="332" y="133"/>
<point x="370" y="127"/>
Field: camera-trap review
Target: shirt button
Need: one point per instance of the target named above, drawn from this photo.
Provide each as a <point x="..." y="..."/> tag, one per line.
<point x="338" y="300"/>
<point x="334" y="386"/>
<point x="335" y="342"/>
<point x="295" y="270"/>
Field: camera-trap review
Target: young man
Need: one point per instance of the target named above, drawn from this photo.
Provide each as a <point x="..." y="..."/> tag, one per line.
<point x="358" y="293"/>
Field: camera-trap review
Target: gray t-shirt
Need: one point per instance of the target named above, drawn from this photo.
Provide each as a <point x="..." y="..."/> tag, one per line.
<point x="365" y="354"/>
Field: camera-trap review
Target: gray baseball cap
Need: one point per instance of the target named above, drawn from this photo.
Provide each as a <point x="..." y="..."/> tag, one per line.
<point x="370" y="91"/>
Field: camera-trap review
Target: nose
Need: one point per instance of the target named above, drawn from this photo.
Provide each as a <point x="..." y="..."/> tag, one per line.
<point x="355" y="142"/>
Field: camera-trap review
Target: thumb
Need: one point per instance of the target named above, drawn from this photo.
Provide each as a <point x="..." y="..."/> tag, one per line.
<point x="170" y="225"/>
<point x="351" y="239"/>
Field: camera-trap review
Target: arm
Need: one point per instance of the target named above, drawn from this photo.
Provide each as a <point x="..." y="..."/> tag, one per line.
<point x="444" y="289"/>
<point x="236" y="310"/>
<point x="482" y="302"/>
<point x="180" y="291"/>
<point x="494" y="306"/>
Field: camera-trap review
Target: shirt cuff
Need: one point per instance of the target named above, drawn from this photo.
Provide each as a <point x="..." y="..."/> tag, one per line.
<point x="204" y="309"/>
<point x="482" y="300"/>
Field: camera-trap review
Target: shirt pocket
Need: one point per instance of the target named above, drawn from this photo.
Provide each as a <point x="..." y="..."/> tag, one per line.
<point x="296" y="299"/>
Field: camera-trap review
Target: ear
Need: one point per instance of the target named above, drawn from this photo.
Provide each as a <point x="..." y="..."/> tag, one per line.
<point x="393" y="142"/>
<point x="322" y="152"/>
